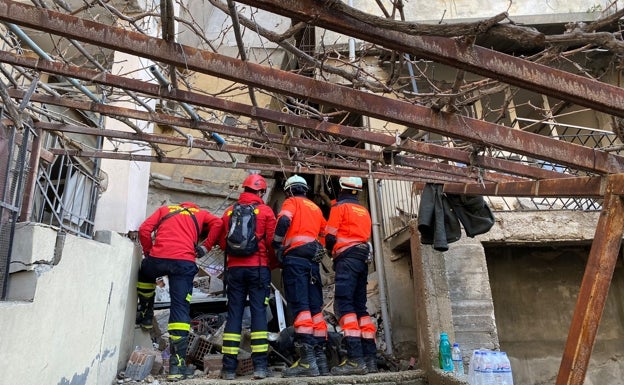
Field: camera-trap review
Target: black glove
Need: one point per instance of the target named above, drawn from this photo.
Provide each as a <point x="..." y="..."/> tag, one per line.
<point x="276" y="245"/>
<point x="279" y="254"/>
<point x="200" y="251"/>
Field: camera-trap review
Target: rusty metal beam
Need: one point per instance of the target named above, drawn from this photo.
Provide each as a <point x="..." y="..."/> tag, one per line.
<point x="458" y="53"/>
<point x="594" y="287"/>
<point x="583" y="187"/>
<point x="162" y="139"/>
<point x="378" y="106"/>
<point x="408" y="175"/>
<point x="431" y="150"/>
<point x="460" y="174"/>
<point x="480" y="161"/>
<point x="258" y="113"/>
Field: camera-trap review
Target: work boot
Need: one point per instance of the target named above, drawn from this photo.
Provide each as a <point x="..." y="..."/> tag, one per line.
<point x="369" y="348"/>
<point x="260" y="373"/>
<point x="371" y="364"/>
<point x="227" y="375"/>
<point x="305" y="365"/>
<point x="321" y="360"/>
<point x="145" y="311"/>
<point x="350" y="366"/>
<point x="178" y="369"/>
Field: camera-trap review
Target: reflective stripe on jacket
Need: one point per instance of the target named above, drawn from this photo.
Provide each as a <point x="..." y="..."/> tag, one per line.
<point x="176" y="235"/>
<point x="307" y="223"/>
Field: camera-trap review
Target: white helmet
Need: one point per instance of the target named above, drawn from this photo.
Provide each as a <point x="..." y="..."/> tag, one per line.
<point x="297" y="181"/>
<point x="350" y="183"/>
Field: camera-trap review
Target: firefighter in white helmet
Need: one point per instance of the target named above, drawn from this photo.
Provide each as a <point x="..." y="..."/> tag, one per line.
<point x="299" y="233"/>
<point x="347" y="235"/>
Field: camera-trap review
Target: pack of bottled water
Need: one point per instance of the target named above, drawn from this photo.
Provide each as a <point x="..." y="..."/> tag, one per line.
<point x="488" y="367"/>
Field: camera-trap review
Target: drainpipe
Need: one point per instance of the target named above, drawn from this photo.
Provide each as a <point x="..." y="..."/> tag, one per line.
<point x="189" y="110"/>
<point x="378" y="255"/>
<point x="377" y="245"/>
<point x="20" y="34"/>
<point x="351" y="41"/>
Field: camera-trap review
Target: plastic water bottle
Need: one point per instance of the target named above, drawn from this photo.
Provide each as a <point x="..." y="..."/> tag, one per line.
<point x="505" y="369"/>
<point x="487" y="368"/>
<point x="497" y="368"/>
<point x="444" y="354"/>
<point x="458" y="360"/>
<point x="474" y="370"/>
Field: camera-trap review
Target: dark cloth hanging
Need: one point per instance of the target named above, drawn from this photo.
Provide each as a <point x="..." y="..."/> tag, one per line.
<point x="473" y="213"/>
<point x="437" y="223"/>
<point x="440" y="214"/>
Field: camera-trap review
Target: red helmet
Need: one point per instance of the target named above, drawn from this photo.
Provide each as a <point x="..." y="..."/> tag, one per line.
<point x="255" y="182"/>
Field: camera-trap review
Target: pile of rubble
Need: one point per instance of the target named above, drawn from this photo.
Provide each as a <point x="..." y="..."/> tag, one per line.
<point x="150" y="364"/>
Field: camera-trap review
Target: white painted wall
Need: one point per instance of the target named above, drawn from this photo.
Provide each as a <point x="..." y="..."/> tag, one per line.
<point x="122" y="206"/>
<point x="78" y="327"/>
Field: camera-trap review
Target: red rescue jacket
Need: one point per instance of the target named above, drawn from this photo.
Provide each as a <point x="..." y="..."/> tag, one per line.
<point x="265" y="227"/>
<point x="176" y="236"/>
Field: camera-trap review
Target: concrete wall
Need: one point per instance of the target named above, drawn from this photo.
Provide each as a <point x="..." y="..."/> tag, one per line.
<point x="514" y="289"/>
<point x="78" y="327"/>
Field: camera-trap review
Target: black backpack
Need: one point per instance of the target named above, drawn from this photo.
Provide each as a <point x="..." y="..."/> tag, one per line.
<point x="241" y="240"/>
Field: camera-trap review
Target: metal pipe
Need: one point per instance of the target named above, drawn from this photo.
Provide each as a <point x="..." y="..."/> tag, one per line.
<point x="411" y="73"/>
<point x="189" y="110"/>
<point x="351" y="41"/>
<point x="378" y="252"/>
<point x="29" y="42"/>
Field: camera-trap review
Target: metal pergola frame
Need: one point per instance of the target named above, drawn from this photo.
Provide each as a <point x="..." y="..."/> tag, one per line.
<point x="422" y="162"/>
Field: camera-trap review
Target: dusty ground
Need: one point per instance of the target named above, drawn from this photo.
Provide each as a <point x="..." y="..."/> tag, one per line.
<point x="408" y="377"/>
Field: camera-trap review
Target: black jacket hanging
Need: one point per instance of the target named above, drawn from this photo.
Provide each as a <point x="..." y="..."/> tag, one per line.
<point x="473" y="213"/>
<point x="437" y="222"/>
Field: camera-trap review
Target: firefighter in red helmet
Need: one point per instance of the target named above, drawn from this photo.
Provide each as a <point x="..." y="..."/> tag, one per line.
<point x="249" y="276"/>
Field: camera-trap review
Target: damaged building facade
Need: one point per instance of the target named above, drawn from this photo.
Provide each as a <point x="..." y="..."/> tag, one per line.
<point x="100" y="128"/>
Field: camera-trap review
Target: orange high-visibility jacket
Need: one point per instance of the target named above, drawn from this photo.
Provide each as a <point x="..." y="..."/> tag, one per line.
<point x="306" y="222"/>
<point x="350" y="223"/>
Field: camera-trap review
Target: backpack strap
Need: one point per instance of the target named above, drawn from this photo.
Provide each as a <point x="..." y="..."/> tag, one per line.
<point x="169" y="215"/>
<point x="195" y="221"/>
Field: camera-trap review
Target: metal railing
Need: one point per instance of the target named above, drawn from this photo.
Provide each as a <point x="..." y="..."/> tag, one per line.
<point x="399" y="201"/>
<point x="14" y="161"/>
<point x="66" y="195"/>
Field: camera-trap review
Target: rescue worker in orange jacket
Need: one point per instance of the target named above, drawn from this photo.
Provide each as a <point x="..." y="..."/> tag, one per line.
<point x="347" y="233"/>
<point x="299" y="236"/>
<point x="249" y="277"/>
<point x="172" y="253"/>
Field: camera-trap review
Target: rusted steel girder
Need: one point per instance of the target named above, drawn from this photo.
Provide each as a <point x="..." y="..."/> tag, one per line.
<point x="408" y="175"/>
<point x="161" y="139"/>
<point x="585" y="186"/>
<point x="574" y="187"/>
<point x="435" y="151"/>
<point x="461" y="174"/>
<point x="595" y="286"/>
<point x="459" y="54"/>
<point x="472" y="130"/>
<point x="431" y="169"/>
